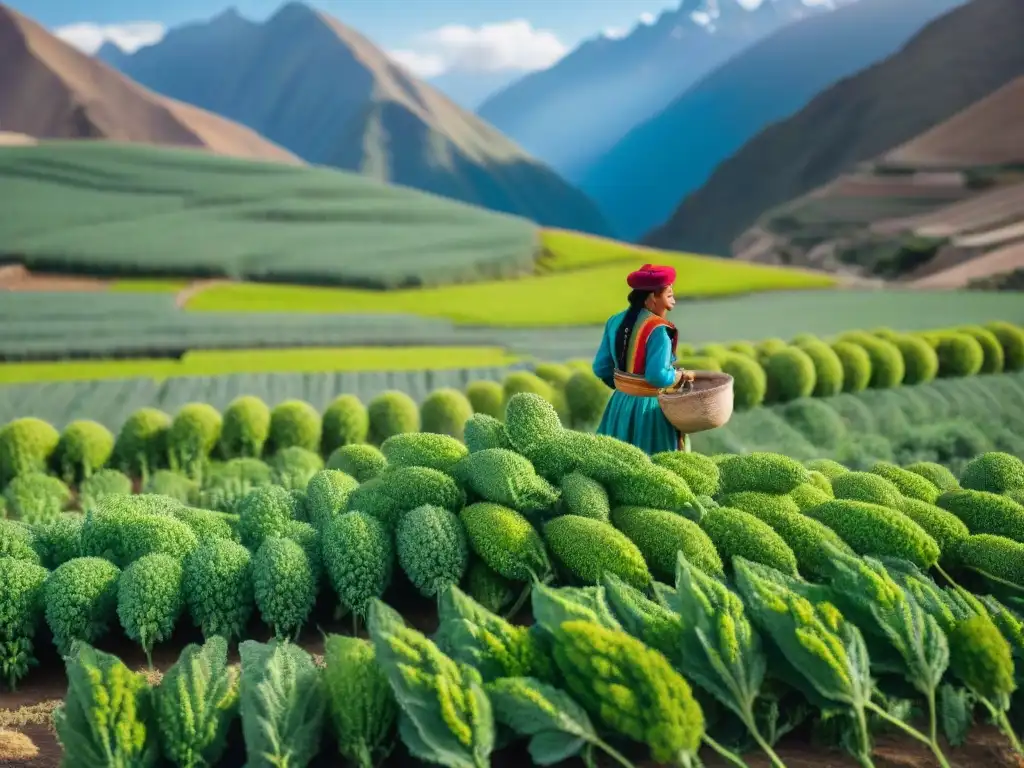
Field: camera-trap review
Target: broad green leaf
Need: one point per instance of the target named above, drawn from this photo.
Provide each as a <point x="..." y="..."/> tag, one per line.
<point x="196" y="701"/>
<point x="553" y="607"/>
<point x="457" y="730"/>
<point x="657" y="626"/>
<point x="819" y="644"/>
<point x="558" y="727"/>
<point x="956" y="713"/>
<point x="283" y="704"/>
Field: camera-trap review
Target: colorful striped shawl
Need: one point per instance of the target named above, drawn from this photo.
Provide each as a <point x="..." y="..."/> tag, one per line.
<point x="632" y="337"/>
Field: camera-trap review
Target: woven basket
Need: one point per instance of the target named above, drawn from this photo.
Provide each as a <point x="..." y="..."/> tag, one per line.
<point x="705" y="404"/>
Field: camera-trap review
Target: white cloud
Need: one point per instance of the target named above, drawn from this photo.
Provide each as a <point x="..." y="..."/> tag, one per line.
<point x="423" y="65"/>
<point x="647" y="18"/>
<point x="506" y="46"/>
<point x="615" y="33"/>
<point x="129" y="36"/>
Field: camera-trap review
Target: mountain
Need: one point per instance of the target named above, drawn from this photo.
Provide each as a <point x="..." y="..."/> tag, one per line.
<point x="952" y="63"/>
<point x="311" y="84"/>
<point x="573" y="112"/>
<point x="940" y="210"/>
<point x="471" y="89"/>
<point x="50" y="90"/>
<point x="642" y="179"/>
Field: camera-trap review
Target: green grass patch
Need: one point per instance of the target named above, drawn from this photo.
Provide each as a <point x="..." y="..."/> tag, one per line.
<point x="103" y="208"/>
<point x="224" y="362"/>
<point x="584" y="282"/>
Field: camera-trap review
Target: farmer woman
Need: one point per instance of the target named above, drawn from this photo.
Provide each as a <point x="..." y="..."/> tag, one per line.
<point x="641" y="342"/>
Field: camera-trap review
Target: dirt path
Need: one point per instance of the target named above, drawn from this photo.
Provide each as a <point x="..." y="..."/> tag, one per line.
<point x="15" y="277"/>
<point x="198" y="286"/>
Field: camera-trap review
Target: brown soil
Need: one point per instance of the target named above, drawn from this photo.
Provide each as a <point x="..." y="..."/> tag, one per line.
<point x="16" y="278"/>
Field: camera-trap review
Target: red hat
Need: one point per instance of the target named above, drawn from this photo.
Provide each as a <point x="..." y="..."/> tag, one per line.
<point x="651" y="278"/>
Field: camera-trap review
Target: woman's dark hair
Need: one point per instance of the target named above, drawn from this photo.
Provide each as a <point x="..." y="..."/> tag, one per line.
<point x="638" y="298"/>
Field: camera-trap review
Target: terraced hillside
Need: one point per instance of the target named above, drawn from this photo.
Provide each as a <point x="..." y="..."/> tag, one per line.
<point x="939" y="211"/>
<point x="855" y="122"/>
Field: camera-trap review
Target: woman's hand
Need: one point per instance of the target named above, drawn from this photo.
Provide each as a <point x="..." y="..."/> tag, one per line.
<point x="687" y="377"/>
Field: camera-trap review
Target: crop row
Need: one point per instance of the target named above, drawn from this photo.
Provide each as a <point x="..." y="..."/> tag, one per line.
<point x="770" y="372"/>
<point x="947" y="421"/>
<point x="681" y="577"/>
<point x="526" y="499"/>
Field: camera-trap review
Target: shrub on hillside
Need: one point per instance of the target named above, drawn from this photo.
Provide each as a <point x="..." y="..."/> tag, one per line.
<point x="699" y="363"/>
<point x="993" y="357"/>
<point x="555" y="374"/>
<point x="444" y="412"/>
<point x="361" y="461"/>
<point x="218" y="588"/>
<point x="750" y="381"/>
<point x="149" y="600"/>
<point x="245" y="428"/>
<point x="856" y="364"/>
<point x="525" y="382"/>
<point x="919" y="358"/>
<point x="26" y="446"/>
<point x="192" y="437"/>
<point x="141" y="445"/>
<point x="424" y="449"/>
<point x="959" y="355"/>
<point x="84" y="447"/>
<point x="346" y="422"/>
<point x="293" y="467"/>
<point x="790" y="374"/>
<point x="487" y="397"/>
<point x="816" y="421"/>
<point x="263" y="513"/>
<point x="587" y="397"/>
<point x="60" y="539"/>
<point x="36" y="498"/>
<point x="828" y="368"/>
<point x="103" y="483"/>
<point x="743" y="348"/>
<point x="22" y="590"/>
<point x="392" y="413"/>
<point x="166" y="482"/>
<point x="887" y="366"/>
<point x="81" y="601"/>
<point x="768" y="347"/>
<point x="1011" y="338"/>
<point x="294" y="424"/>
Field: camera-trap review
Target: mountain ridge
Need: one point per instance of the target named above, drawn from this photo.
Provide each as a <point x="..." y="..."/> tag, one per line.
<point x="645" y="175"/>
<point x="327" y="93"/>
<point x="571" y="112"/>
<point x="48" y="89"/>
<point x="970" y="52"/>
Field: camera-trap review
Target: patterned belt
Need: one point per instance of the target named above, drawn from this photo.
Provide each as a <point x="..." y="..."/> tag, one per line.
<point x="631" y="384"/>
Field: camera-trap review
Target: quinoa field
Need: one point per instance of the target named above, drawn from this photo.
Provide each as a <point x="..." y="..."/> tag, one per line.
<point x="834" y="578"/>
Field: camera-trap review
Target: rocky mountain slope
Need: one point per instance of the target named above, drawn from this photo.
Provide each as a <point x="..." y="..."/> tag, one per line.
<point x="644" y="176"/>
<point x="50" y="90"/>
<point x="319" y="88"/>
<point x="951" y="64"/>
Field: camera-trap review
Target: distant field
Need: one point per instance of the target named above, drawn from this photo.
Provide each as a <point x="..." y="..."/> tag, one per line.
<point x="132" y="210"/>
<point x="111" y="401"/>
<point x="584" y="283"/>
<point x="227" y="362"/>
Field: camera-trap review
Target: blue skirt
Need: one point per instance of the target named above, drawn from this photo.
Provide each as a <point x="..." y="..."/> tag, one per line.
<point x="640" y="422"/>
